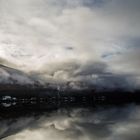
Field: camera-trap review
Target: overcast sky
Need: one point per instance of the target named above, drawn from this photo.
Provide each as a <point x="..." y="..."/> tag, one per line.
<point x="72" y="40"/>
<point x="92" y="41"/>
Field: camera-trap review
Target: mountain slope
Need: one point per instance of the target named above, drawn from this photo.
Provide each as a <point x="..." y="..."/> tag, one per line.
<point x="13" y="76"/>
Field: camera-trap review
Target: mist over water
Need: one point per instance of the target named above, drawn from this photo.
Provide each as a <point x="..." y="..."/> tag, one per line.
<point x="112" y="123"/>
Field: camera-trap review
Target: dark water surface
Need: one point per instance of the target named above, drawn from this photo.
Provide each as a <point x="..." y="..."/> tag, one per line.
<point x="110" y="123"/>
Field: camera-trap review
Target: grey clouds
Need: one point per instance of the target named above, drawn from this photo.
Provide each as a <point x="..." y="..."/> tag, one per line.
<point x="47" y="37"/>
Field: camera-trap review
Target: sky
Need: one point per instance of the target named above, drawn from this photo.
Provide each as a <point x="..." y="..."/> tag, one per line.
<point x="95" y="41"/>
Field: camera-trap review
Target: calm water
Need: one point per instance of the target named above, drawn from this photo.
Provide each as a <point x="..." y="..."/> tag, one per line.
<point x="121" y="123"/>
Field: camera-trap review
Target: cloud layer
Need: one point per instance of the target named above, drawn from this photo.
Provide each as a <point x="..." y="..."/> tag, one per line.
<point x="71" y="40"/>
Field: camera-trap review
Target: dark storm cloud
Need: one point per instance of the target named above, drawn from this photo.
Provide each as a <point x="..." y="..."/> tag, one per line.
<point x="69" y="48"/>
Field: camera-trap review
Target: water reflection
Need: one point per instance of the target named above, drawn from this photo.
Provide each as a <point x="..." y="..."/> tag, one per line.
<point x="121" y="123"/>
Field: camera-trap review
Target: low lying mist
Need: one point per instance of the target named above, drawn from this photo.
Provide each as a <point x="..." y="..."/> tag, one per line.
<point x="74" y="75"/>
